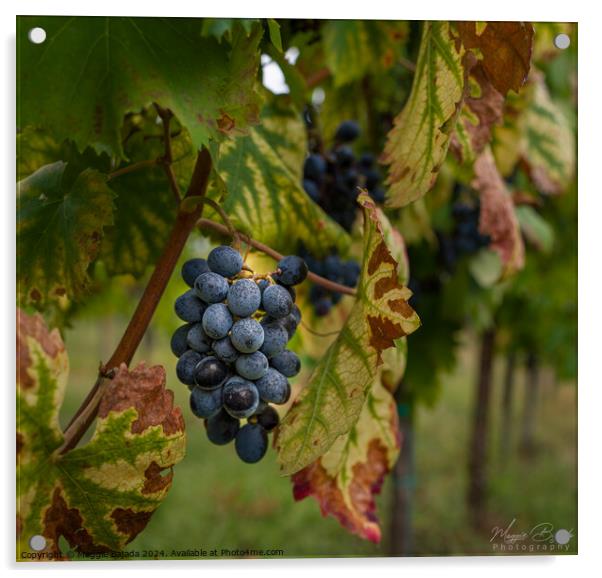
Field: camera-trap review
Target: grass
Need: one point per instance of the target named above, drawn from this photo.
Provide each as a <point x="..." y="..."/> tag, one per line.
<point x="217" y="502"/>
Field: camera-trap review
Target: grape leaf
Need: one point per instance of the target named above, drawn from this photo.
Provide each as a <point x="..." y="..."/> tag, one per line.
<point x="354" y="48"/>
<point x="536" y="229"/>
<point x="417" y="144"/>
<point x="61" y="216"/>
<point x="497" y="217"/>
<point x="505" y="48"/>
<point x="332" y="400"/>
<point x="93" y="70"/>
<point x="345" y="479"/>
<point x="548" y="142"/>
<point x="100" y="496"/>
<point x="145" y="208"/>
<point x="265" y="198"/>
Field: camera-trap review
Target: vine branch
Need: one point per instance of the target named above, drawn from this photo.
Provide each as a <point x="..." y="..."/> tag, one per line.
<point x="317" y="279"/>
<point x="185" y="222"/>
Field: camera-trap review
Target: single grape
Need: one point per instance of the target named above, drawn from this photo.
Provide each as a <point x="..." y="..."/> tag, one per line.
<point x="291" y="290"/>
<point x="296" y="315"/>
<point x="217" y="321"/>
<point x="244" y="298"/>
<point x="344" y="157"/>
<point x="205" y="404"/>
<point x="290" y="324"/>
<point x="247" y="335"/>
<point x="275" y="338"/>
<point x="189" y="307"/>
<point x="276" y="301"/>
<point x="210" y="373"/>
<point x="222" y="428"/>
<point x="312" y="190"/>
<point x="178" y="343"/>
<point x="373" y="179"/>
<point x="347" y="131"/>
<point x="241" y="397"/>
<point x="225" y="260"/>
<point x="273" y="387"/>
<point x="225" y="351"/>
<point x="211" y="287"/>
<point x="367" y="160"/>
<point x="293" y="270"/>
<point x="252" y="365"/>
<point x="198" y="340"/>
<point x="351" y="273"/>
<point x="251" y="443"/>
<point x="192" y="269"/>
<point x="287" y="363"/>
<point x="186" y="366"/>
<point x="323" y="306"/>
<point x="263" y="284"/>
<point x="314" y="168"/>
<point x="268" y="418"/>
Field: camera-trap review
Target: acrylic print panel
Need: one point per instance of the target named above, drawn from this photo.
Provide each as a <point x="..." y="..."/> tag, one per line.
<point x="329" y="268"/>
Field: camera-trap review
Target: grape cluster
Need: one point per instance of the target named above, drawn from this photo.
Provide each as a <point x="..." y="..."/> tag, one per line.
<point x="344" y="272"/>
<point x="466" y="236"/>
<point x="332" y="179"/>
<point x="232" y="350"/>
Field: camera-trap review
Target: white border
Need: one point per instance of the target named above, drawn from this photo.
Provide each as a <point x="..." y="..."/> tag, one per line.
<point x="590" y="216"/>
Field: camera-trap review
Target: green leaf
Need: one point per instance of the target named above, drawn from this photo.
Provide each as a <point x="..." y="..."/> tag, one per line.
<point x="225" y="27"/>
<point x="265" y="198"/>
<point x="355" y="48"/>
<point x="274" y="29"/>
<point x="61" y="216"/>
<point x="486" y="267"/>
<point x="145" y="208"/>
<point x="99" y="68"/>
<point x="417" y="144"/>
<point x="535" y="228"/>
<point x="100" y="496"/>
<point x="345" y="479"/>
<point x="548" y="141"/>
<point x="331" y="402"/>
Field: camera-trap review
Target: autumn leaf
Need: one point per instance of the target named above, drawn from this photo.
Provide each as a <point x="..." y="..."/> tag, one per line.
<point x="332" y="400"/>
<point x="417" y="144"/>
<point x="505" y="48"/>
<point x="497" y="218"/>
<point x="97" y="497"/>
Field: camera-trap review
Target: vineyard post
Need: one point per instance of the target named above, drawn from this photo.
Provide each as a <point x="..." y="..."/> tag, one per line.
<point x="507" y="399"/>
<point x="529" y="416"/>
<point x="477" y="453"/>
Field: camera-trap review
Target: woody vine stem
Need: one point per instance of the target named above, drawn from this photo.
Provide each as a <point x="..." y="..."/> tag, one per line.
<point x="189" y="216"/>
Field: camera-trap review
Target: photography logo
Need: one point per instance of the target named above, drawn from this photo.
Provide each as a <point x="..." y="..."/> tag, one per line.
<point x="542" y="538"/>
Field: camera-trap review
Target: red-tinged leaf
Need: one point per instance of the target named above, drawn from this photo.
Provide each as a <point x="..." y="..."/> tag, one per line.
<point x="497" y="218"/>
<point x="506" y="49"/>
<point x="345" y="480"/>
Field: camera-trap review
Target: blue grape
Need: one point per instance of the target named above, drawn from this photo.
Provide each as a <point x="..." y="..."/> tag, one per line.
<point x="179" y="343"/>
<point x="323" y="306"/>
<point x="293" y="270"/>
<point x="273" y="387"/>
<point x="198" y="340"/>
<point x="367" y="160"/>
<point x="225" y="351"/>
<point x="225" y="261"/>
<point x="347" y="131"/>
<point x="211" y="287"/>
<point x="252" y="365"/>
<point x="217" y="321"/>
<point x="314" y="168"/>
<point x="189" y="307"/>
<point x="222" y="428"/>
<point x="192" y="269"/>
<point x="276" y="301"/>
<point x="210" y="373"/>
<point x="312" y="190"/>
<point x="290" y="324"/>
<point x="251" y="443"/>
<point x="351" y="272"/>
<point x="263" y="284"/>
<point x="247" y="335"/>
<point x="244" y="298"/>
<point x="241" y="397"/>
<point x="275" y="338"/>
<point x="186" y="366"/>
<point x="287" y="363"/>
<point x="344" y="157"/>
<point x="205" y="404"/>
<point x="267" y="418"/>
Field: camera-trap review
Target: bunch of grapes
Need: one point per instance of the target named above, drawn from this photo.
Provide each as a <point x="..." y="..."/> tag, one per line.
<point x="332" y="179"/>
<point x="232" y="351"/>
<point x="344" y="272"/>
<point x="466" y="236"/>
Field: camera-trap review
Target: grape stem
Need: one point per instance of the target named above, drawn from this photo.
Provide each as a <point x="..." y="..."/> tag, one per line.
<point x="317" y="279"/>
<point x="185" y="222"/>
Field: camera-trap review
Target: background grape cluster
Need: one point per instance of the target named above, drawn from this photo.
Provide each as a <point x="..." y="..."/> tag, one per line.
<point x="232" y="350"/>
